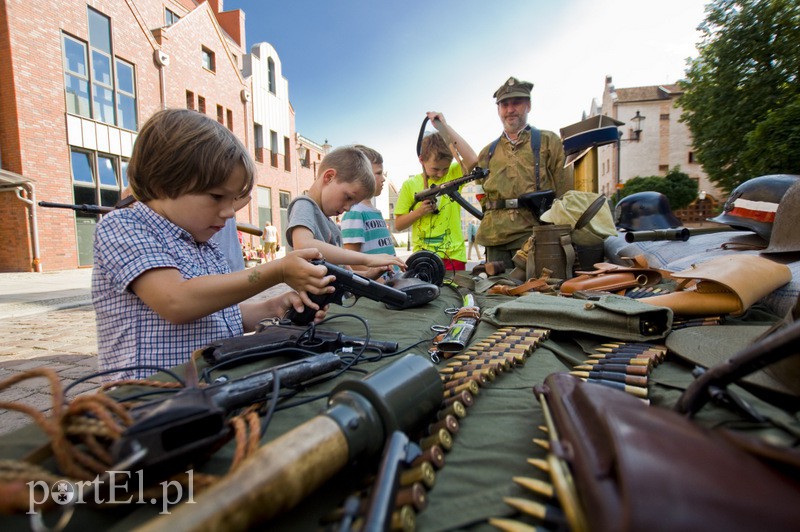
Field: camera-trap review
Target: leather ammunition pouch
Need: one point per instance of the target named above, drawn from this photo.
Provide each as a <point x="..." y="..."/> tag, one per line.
<point x="613" y="277"/>
<point x="634" y="467"/>
<point x="724" y="285"/>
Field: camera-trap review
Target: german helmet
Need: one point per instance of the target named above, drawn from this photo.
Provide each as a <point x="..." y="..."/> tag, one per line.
<point x="644" y="211"/>
<point x="754" y="204"/>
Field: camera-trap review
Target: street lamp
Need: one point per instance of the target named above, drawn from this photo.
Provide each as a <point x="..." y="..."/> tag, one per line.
<point x="637" y="133"/>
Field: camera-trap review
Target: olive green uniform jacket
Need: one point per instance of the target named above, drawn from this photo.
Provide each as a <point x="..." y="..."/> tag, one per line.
<point x="510" y="175"/>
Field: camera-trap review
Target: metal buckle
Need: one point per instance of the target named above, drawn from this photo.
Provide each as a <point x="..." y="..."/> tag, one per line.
<point x="512" y="203"/>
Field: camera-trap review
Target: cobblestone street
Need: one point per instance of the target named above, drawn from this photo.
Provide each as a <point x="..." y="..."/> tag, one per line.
<point x="62" y="340"/>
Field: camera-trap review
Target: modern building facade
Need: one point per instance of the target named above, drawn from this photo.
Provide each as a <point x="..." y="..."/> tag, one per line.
<point x="77" y="81"/>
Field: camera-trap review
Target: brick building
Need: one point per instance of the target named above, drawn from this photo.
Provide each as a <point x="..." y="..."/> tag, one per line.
<point x="78" y="79"/>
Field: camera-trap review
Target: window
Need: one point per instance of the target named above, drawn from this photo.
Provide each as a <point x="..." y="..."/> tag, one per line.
<point x="691" y="157"/>
<point x="663" y="168"/>
<point x="220" y="114"/>
<point x="190" y="100"/>
<point x="201" y="104"/>
<point x="96" y="182"/>
<point x="264" y="206"/>
<point x="97" y="84"/>
<point x="100" y="60"/>
<point x="664" y="116"/>
<point x="208" y="60"/>
<point x="273" y="146"/>
<point x="170" y="17"/>
<point x="258" y="138"/>
<point x="76" y="77"/>
<point x="271" y="74"/>
<point x="287" y="162"/>
<point x="285" y="199"/>
<point x="126" y="96"/>
<point x="229" y="116"/>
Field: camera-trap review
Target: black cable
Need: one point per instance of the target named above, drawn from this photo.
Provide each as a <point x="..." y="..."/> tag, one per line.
<point x="273" y="401"/>
<point x="117" y="370"/>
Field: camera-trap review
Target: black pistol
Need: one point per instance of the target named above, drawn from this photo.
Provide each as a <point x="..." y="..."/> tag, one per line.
<point x="350" y="286"/>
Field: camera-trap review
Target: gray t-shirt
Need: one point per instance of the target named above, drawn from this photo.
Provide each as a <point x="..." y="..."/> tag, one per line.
<point x="228" y="241"/>
<point x="304" y="212"/>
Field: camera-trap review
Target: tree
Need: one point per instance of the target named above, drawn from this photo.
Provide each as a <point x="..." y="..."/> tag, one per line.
<point x="746" y="75"/>
<point x="678" y="187"/>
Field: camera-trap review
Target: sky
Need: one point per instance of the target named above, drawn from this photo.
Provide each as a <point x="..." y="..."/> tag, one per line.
<point x="366" y="71"/>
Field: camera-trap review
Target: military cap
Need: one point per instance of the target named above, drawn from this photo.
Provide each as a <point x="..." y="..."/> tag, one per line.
<point x="513" y="88"/>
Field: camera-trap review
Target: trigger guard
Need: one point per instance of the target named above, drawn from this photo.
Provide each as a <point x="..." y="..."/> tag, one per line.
<point x="348" y="300"/>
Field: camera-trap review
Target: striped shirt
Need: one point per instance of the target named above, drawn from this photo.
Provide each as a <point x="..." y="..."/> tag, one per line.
<point x="129" y="242"/>
<point x="365" y="225"/>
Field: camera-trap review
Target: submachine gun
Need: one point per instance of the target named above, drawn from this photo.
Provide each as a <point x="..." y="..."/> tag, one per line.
<point x="451" y="189"/>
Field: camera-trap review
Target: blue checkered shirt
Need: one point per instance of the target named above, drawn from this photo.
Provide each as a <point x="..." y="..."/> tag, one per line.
<point x="129" y="242"/>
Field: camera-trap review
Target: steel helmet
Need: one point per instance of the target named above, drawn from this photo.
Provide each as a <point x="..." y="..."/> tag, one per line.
<point x="644" y="211"/>
<point x="753" y="204"/>
<point x="785" y="237"/>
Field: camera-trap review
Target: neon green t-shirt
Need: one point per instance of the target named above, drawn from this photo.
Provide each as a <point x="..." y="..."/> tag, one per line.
<point x="440" y="233"/>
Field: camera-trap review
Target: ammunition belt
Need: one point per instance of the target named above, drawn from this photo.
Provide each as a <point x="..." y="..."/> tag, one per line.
<point x="463" y="377"/>
<point x="625" y="366"/>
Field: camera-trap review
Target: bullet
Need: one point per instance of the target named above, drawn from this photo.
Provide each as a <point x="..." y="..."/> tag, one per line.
<point x="422" y="473"/>
<point x="465" y="398"/>
<point x="633" y="390"/>
<point x="454" y="383"/>
<point x="541" y="464"/>
<point x="404" y="519"/>
<point x="510" y="525"/>
<point x="603" y="365"/>
<point x="631" y="361"/>
<point x="544" y="444"/>
<point x="635" y="380"/>
<point x="414" y="495"/>
<point x="453" y="373"/>
<point x="545" y="512"/>
<point x="441" y="437"/>
<point x="448" y="422"/>
<point x="433" y="455"/>
<point x="455" y="408"/>
<point x="471" y="386"/>
<point x="537" y="486"/>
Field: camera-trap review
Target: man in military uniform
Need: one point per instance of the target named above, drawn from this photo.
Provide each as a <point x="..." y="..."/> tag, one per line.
<point x="513" y="170"/>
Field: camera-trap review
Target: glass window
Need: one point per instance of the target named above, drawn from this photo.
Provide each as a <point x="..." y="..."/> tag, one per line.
<point x="82" y="167"/>
<point x="107" y="172"/>
<point x="76" y="78"/>
<point x="264" y="205"/>
<point x="126" y="96"/>
<point x="170" y="17"/>
<point x="103" y="104"/>
<point x="208" y="59"/>
<point x="99" y="31"/>
<point x="75" y="57"/>
<point x="101" y="68"/>
<point x="271" y="74"/>
<point x="123" y="172"/>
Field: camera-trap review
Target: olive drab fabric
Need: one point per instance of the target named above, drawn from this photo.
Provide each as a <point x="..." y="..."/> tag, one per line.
<point x="510" y="175"/>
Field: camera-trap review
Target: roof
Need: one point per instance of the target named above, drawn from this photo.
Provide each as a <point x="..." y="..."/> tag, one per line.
<point x="11" y="179"/>
<point x="653" y="92"/>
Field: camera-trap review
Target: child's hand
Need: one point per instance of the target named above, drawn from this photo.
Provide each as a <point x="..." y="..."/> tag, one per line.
<point x="303" y="276"/>
<point x="386" y="261"/>
<point x="293" y="300"/>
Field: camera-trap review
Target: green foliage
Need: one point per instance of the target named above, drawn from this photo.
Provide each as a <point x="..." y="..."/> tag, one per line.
<point x="678" y="187"/>
<point x="741" y="90"/>
<point x="773" y="147"/>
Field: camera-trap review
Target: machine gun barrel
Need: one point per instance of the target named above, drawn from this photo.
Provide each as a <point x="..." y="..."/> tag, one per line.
<point x="100" y="209"/>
